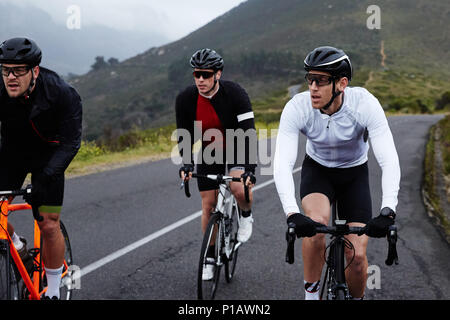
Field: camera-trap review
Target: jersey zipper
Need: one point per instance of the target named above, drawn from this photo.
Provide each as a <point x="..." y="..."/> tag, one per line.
<point x="331" y="141"/>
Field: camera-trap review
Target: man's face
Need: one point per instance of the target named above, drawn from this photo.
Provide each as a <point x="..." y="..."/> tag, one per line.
<point x="17" y="78"/>
<point x="204" y="79"/>
<point x="320" y="91"/>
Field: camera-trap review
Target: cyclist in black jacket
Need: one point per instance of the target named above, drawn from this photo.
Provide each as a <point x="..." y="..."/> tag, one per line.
<point x="40" y="118"/>
<point x="223" y="107"/>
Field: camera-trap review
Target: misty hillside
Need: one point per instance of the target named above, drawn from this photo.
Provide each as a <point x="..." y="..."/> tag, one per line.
<point x="71" y="51"/>
<point x="263" y="43"/>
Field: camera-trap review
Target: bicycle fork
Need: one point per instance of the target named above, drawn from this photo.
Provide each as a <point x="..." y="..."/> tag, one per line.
<point x="336" y="270"/>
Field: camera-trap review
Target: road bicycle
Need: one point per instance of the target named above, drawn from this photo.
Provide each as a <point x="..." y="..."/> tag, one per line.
<point x="334" y="277"/>
<point x="16" y="282"/>
<point x="221" y="231"/>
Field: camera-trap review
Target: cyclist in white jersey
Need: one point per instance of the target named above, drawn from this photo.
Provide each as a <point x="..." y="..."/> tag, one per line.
<point x="338" y="122"/>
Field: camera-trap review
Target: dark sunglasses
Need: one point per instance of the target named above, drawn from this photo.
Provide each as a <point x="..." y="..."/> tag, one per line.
<point x="204" y="74"/>
<point x="16" y="71"/>
<point x="320" y="79"/>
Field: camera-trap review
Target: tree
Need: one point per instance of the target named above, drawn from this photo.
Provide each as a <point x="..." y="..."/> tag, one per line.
<point x="99" y="63"/>
<point x="113" y="61"/>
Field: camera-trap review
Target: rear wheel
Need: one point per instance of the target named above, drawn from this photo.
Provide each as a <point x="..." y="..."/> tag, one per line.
<point x="206" y="289"/>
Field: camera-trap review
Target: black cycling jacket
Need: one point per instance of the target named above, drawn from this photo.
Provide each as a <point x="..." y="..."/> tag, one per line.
<point x="51" y="126"/>
<point x="233" y="108"/>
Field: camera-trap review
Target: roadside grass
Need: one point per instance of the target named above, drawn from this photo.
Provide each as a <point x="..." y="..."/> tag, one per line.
<point x="436" y="186"/>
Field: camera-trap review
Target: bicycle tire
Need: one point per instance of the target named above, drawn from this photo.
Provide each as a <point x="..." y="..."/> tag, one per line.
<point x="9" y="287"/>
<point x="206" y="289"/>
<point x="340" y="294"/>
<point x="230" y="262"/>
<point x="68" y="283"/>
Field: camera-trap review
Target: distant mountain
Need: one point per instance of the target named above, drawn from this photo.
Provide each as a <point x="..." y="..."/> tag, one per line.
<point x="263" y="43"/>
<point x="71" y="51"/>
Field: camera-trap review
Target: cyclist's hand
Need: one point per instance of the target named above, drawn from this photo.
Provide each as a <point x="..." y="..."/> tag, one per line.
<point x="304" y="226"/>
<point x="39" y="188"/>
<point x="378" y="227"/>
<point x="185" y="171"/>
<point x="248" y="178"/>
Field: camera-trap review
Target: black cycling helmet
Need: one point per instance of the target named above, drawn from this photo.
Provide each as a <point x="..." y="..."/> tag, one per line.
<point x="331" y="60"/>
<point x="20" y="51"/>
<point x="207" y="59"/>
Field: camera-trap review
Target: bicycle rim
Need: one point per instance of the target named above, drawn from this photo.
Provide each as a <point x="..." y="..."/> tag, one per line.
<point x="230" y="265"/>
<point x="206" y="289"/>
<point x="9" y="288"/>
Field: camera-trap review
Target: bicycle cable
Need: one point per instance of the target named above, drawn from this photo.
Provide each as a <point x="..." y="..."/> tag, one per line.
<point x="347" y="244"/>
<point x="1" y="205"/>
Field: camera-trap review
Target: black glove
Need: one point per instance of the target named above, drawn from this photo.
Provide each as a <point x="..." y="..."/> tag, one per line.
<point x="378" y="227"/>
<point x="247" y="174"/>
<point x="40" y="182"/>
<point x="304" y="226"/>
<point x="186" y="168"/>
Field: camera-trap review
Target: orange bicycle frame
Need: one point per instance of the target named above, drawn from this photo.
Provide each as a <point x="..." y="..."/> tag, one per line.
<point x="32" y="285"/>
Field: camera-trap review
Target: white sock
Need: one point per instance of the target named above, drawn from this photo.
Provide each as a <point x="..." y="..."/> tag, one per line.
<point x="18" y="244"/>
<point x="53" y="281"/>
<point x="312" y="290"/>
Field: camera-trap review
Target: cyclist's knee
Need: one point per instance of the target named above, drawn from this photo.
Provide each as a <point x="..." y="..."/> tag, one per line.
<point x="209" y="200"/>
<point x="49" y="226"/>
<point x="359" y="261"/>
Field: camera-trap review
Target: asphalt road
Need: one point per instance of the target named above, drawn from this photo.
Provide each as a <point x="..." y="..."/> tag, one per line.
<point x="130" y="241"/>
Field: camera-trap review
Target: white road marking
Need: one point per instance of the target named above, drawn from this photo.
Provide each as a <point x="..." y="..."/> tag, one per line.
<point x="119" y="253"/>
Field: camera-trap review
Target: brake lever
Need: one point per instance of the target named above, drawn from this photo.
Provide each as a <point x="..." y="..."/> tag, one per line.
<point x="185" y="183"/>
<point x="392" y="246"/>
<point x="290" y="238"/>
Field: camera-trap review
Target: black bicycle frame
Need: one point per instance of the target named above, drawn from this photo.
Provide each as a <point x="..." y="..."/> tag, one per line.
<point x="335" y="272"/>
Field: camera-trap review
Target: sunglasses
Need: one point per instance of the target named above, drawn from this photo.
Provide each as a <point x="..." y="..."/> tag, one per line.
<point x="204" y="74"/>
<point x="16" y="71"/>
<point x="320" y="79"/>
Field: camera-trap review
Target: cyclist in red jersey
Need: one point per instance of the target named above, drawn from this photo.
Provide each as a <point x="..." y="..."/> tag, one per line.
<point x="217" y="105"/>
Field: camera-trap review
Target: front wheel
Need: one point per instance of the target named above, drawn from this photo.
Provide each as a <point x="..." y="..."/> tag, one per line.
<point x="9" y="288"/>
<point x="70" y="278"/>
<point x="340" y="294"/>
<point x="206" y="289"/>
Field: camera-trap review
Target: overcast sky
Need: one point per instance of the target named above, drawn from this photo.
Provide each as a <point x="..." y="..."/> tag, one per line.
<point x="173" y="18"/>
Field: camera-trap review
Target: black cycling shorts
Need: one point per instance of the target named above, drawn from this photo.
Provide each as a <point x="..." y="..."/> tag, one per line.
<point x="348" y="186"/>
<point x="12" y="178"/>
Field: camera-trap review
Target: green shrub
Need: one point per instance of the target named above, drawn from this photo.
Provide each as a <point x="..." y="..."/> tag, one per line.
<point x="89" y="150"/>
